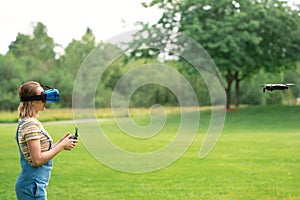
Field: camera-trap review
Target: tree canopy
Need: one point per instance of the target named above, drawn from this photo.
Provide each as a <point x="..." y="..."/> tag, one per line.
<point x="243" y="37"/>
<point x="251" y="41"/>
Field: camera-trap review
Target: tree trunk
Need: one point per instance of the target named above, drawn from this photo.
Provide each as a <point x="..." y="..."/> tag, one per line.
<point x="227" y="89"/>
<point x="229" y="80"/>
<point x="237" y="90"/>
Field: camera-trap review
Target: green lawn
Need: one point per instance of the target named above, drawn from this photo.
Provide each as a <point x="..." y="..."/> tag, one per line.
<point x="256" y="157"/>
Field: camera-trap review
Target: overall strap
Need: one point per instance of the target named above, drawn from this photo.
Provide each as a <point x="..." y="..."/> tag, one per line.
<point x="21" y="121"/>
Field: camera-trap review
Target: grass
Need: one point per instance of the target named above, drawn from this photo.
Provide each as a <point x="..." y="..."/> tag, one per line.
<point x="67" y="114"/>
<point x="256" y="157"/>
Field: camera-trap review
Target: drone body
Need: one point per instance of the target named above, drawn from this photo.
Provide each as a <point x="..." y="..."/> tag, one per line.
<point x="276" y="86"/>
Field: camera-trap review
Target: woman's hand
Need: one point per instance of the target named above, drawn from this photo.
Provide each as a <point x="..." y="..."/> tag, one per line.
<point x="67" y="143"/>
<point x="38" y="158"/>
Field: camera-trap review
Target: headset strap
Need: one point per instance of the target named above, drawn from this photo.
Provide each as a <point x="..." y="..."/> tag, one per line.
<point x="46" y="86"/>
<point x="33" y="98"/>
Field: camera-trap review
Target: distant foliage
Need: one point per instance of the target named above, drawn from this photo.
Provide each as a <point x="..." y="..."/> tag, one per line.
<point x="32" y="57"/>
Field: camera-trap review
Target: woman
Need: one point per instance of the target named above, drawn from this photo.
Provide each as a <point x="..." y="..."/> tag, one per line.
<point x="35" y="145"/>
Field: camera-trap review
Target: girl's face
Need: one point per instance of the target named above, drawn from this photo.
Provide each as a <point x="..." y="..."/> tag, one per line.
<point x="38" y="105"/>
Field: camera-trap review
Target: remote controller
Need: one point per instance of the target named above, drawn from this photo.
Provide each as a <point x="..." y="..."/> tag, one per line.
<point x="75" y="136"/>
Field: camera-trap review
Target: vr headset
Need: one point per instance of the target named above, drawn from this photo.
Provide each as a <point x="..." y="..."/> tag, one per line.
<point x="51" y="95"/>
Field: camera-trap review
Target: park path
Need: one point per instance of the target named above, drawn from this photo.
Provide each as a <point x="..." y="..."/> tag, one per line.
<point x="80" y="121"/>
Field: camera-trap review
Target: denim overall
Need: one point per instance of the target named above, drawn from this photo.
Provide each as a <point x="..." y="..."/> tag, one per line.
<point x="32" y="181"/>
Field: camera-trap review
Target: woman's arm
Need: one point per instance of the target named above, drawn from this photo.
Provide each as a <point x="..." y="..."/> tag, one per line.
<point x="38" y="158"/>
<point x="61" y="139"/>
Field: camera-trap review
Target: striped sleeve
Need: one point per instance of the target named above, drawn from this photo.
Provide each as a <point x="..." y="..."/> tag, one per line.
<point x="31" y="131"/>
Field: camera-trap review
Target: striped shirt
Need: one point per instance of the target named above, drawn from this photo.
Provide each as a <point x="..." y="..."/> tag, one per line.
<point x="32" y="129"/>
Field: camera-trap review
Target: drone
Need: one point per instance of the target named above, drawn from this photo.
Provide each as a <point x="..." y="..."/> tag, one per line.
<point x="276" y="86"/>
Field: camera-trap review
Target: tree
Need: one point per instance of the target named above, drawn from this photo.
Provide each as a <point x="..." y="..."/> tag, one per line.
<point x="241" y="36"/>
<point x="34" y="52"/>
<point x="70" y="61"/>
<point x="279" y="31"/>
<point x="11" y="77"/>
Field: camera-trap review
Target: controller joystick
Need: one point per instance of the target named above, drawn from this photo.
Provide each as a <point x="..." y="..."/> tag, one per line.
<point x="75" y="136"/>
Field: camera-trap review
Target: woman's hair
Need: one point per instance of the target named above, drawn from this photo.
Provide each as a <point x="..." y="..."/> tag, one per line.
<point x="27" y="89"/>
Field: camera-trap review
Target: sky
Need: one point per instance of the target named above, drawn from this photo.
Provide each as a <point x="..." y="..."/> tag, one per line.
<point x="66" y="19"/>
